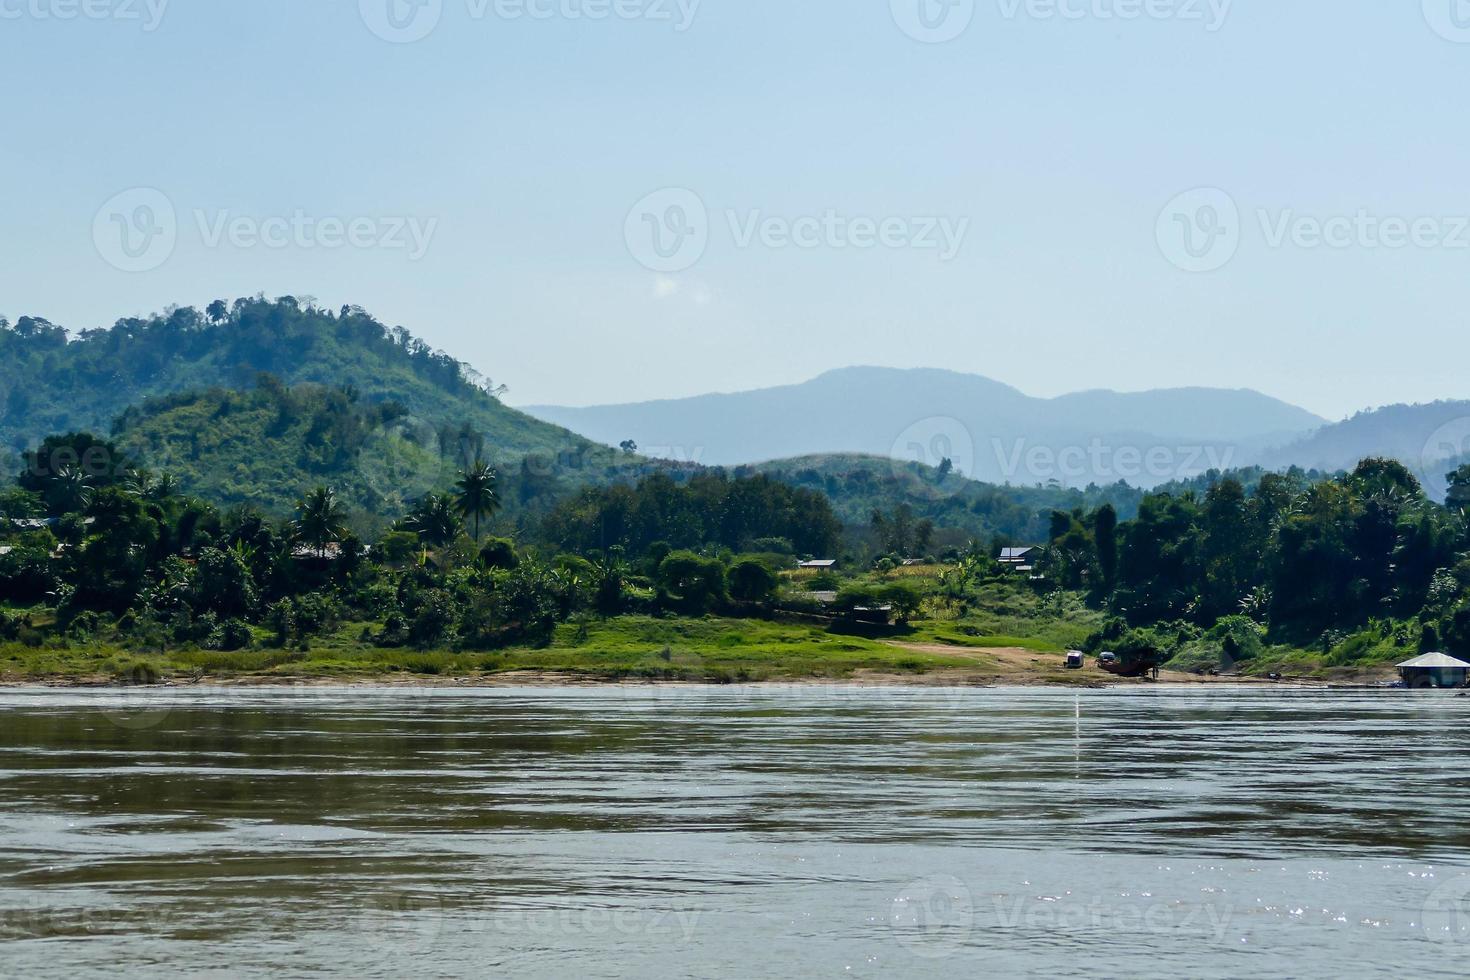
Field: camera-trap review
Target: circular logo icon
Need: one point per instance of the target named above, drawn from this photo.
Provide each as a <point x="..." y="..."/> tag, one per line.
<point x="1450" y="19"/>
<point x="136" y="231"/>
<point x="1445" y="916"/>
<point x="142" y="709"/>
<point x="933" y="21"/>
<point x="933" y="917"/>
<point x="1199" y="231"/>
<point x="401" y="21"/>
<point x="1446" y="448"/>
<point x="933" y="440"/>
<point x="668" y="230"/>
<point x="400" y="922"/>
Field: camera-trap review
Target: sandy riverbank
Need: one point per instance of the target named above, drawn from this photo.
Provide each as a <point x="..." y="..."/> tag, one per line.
<point x="977" y="667"/>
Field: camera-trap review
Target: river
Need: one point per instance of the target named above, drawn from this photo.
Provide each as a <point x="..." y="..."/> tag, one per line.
<point x="681" y="831"/>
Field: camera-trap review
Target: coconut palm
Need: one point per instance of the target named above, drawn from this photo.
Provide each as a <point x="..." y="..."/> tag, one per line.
<point x="435" y="520"/>
<point x="73" y="490"/>
<point x="477" y="494"/>
<point x="320" y="520"/>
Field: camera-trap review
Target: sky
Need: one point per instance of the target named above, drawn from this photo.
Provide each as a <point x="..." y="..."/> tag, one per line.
<point x="616" y="200"/>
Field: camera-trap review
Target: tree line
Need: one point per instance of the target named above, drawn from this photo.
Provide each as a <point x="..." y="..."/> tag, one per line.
<point x="1304" y="559"/>
<point x="105" y="545"/>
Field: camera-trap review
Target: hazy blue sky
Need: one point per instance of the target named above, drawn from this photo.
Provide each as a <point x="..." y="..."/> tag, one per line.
<point x="1051" y="140"/>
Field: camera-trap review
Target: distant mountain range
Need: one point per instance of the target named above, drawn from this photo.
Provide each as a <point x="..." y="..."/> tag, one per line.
<point x="988" y="430"/>
<point x="259" y="400"/>
<point x="1430" y="439"/>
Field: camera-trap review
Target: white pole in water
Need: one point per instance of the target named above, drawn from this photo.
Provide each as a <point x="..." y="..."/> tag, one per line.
<point x="1077" y="740"/>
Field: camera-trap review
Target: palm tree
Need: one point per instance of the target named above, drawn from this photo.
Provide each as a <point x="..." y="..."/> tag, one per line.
<point x="477" y="495"/>
<point x="435" y="520"/>
<point x="320" y="519"/>
<point x="610" y="570"/>
<point x="73" y="490"/>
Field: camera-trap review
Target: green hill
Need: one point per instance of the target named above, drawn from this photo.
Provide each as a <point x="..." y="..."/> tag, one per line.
<point x="268" y="446"/>
<point x="50" y="384"/>
<point x="259" y="401"/>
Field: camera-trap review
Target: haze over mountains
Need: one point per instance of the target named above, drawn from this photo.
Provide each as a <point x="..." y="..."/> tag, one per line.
<point x="1430" y="439"/>
<point x="233" y="412"/>
<point x="989" y="430"/>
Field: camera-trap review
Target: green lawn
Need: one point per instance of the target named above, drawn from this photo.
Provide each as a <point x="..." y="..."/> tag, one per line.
<point x="709" y="649"/>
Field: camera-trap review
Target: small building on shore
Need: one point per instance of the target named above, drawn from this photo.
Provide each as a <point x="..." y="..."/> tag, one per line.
<point x="1434" y="670"/>
<point x="1019" y="559"/>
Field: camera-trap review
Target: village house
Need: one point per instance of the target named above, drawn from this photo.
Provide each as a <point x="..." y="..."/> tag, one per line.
<point x="1019" y="559"/>
<point x="1434" y="670"/>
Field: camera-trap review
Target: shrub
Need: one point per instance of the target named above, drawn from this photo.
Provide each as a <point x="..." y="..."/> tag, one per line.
<point x="692" y="583"/>
<point x="398" y="547"/>
<point x="82" y="626"/>
<point x="499" y="553"/>
<point x="432" y="619"/>
<point x="138" y="672"/>
<point x="232" y="634"/>
<point x="824" y="582"/>
<point x="222" y="583"/>
<point x="751" y="581"/>
<point x="1239" y="638"/>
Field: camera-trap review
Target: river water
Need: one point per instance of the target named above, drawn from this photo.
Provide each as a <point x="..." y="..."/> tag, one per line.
<point x="809" y="831"/>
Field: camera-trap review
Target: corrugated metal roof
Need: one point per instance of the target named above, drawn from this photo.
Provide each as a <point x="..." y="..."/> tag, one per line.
<point x="1434" y="660"/>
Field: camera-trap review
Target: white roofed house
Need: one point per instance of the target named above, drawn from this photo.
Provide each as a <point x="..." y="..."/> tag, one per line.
<point x="1020" y="559"/>
<point x="818" y="565"/>
<point x="1434" y="670"/>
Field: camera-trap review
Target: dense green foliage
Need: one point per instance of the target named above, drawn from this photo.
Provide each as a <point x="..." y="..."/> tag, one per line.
<point x="710" y="509"/>
<point x="332" y="471"/>
<point x="94" y="544"/>
<point x="51" y="384"/>
<point x="1291" y="560"/>
<point x="955" y="510"/>
<point x="267" y="446"/>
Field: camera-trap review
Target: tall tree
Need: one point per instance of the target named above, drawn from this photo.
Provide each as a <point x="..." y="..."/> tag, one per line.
<point x="1105" y="535"/>
<point x="477" y="494"/>
<point x="435" y="520"/>
<point x="320" y="520"/>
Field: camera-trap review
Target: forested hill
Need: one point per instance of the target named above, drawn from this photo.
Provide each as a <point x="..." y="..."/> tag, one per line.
<point x="269" y="446"/>
<point x="50" y="384"/>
